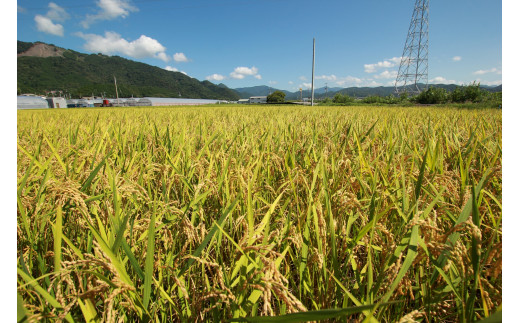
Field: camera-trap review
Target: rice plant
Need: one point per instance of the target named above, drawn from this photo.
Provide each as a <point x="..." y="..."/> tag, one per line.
<point x="259" y="214"/>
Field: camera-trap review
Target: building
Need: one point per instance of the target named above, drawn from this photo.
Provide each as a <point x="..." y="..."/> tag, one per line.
<point x="174" y="101"/>
<point x="96" y="102"/>
<point x="258" y="99"/>
<point x="72" y="103"/>
<point x="243" y="101"/>
<point x="57" y="102"/>
<point x="31" y="102"/>
<point x="82" y="103"/>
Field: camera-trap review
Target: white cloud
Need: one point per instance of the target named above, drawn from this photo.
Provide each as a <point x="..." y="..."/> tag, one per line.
<point x="303" y="78"/>
<point x="215" y="77"/>
<point x="349" y="81"/>
<point x="163" y="57"/>
<point x="386" y="75"/>
<point x="442" y="80"/>
<point x="272" y="82"/>
<point x="57" y="13"/>
<point x="372" y="68"/>
<point x="493" y="70"/>
<point x="291" y="82"/>
<point x="180" y="57"/>
<point x="331" y="77"/>
<point x="305" y="85"/>
<point x="112" y="43"/>
<point x="45" y="24"/>
<point x="457" y="58"/>
<point x="258" y="77"/>
<point x="171" y="69"/>
<point x="241" y="72"/>
<point x="109" y="9"/>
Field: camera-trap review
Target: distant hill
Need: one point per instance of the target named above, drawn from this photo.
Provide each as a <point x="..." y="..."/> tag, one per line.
<point x="323" y="90"/>
<point x="261" y="90"/>
<point x="356" y="92"/>
<point x="45" y="67"/>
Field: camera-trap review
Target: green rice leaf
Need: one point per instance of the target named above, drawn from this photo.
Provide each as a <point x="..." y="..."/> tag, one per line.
<point x="21" y="312"/>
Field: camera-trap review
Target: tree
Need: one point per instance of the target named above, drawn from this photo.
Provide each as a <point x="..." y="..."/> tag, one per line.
<point x="433" y="95"/>
<point x="276" y="97"/>
<point x="469" y="93"/>
<point x="339" y="98"/>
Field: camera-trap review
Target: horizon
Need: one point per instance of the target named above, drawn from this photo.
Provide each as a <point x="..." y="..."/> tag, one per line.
<point x="265" y="42"/>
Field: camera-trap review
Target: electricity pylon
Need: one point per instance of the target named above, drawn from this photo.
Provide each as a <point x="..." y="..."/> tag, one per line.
<point x="412" y="77"/>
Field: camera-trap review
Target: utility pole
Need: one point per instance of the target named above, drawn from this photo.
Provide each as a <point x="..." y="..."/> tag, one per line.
<point x="312" y="83"/>
<point x="117" y="95"/>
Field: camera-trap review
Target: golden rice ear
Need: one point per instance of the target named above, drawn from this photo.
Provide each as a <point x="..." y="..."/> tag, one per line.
<point x="267" y="213"/>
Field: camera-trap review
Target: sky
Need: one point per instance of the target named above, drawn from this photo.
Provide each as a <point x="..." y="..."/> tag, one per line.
<point x="244" y="43"/>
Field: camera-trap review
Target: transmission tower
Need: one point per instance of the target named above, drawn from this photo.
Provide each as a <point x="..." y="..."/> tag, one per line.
<point x="412" y="77"/>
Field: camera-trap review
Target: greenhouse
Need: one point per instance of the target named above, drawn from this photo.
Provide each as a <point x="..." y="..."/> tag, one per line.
<point x="131" y="102"/>
<point x="178" y="101"/>
<point x="144" y="102"/>
<point x="31" y="102"/>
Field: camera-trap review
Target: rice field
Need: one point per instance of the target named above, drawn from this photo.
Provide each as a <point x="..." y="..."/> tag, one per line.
<point x="259" y="214"/>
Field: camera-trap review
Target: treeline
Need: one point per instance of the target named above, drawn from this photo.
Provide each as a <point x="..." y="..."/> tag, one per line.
<point x="76" y="74"/>
<point x="471" y="94"/>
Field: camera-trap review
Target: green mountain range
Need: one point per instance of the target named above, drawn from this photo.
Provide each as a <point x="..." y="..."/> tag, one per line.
<point x="44" y="67"/>
<point x="356" y="92"/>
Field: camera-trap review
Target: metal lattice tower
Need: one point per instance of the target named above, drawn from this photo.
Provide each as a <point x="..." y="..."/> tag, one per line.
<point x="412" y="77"/>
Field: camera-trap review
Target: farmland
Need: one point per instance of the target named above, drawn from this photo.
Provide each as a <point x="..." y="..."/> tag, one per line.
<point x="220" y="212"/>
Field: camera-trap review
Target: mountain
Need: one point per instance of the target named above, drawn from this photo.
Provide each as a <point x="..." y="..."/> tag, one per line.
<point x="491" y="88"/>
<point x="356" y="92"/>
<point x="323" y="90"/>
<point x="45" y="67"/>
<point x="261" y="90"/>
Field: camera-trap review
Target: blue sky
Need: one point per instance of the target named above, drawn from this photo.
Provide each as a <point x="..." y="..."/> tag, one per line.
<point x="269" y="42"/>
